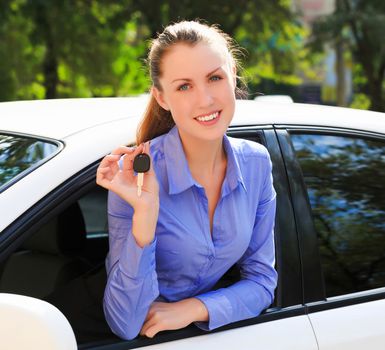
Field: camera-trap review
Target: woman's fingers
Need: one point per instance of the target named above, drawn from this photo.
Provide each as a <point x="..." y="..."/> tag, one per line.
<point x="108" y="160"/>
<point x="128" y="158"/>
<point x="149" y="328"/>
<point x="151" y="331"/>
<point x="112" y="159"/>
<point x="123" y="150"/>
<point x="146" y="149"/>
<point x="145" y="326"/>
<point x="155" y="306"/>
<point x="108" y="168"/>
<point x="105" y="168"/>
<point x="101" y="178"/>
<point x="116" y="172"/>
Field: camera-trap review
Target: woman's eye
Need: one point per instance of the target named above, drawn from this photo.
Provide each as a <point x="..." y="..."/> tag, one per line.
<point x="183" y="87"/>
<point x="215" y="78"/>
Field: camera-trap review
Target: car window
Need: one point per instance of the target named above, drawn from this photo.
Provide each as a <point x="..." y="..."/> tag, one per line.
<point x="344" y="176"/>
<point x="94" y="209"/>
<point x="20" y="153"/>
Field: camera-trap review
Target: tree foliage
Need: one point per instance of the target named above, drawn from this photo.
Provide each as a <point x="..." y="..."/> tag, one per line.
<point x="360" y="24"/>
<point x="76" y="48"/>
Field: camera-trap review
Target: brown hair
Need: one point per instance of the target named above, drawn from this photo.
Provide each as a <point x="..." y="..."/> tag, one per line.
<point x="156" y="120"/>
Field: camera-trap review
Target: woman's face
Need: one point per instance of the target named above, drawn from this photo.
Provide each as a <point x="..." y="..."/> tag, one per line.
<point x="198" y="87"/>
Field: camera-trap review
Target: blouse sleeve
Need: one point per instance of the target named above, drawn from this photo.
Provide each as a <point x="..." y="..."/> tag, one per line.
<point x="248" y="297"/>
<point x="132" y="283"/>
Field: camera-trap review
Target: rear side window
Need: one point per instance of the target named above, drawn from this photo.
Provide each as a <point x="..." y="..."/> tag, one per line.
<point x="344" y="176"/>
<point x="19" y="154"/>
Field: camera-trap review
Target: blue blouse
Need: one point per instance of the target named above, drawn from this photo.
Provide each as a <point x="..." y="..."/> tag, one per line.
<point x="186" y="259"/>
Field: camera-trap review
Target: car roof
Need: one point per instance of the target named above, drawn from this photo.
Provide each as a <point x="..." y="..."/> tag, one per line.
<point x="61" y="118"/>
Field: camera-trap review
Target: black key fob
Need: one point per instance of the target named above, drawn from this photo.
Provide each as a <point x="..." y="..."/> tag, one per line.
<point x="142" y="163"/>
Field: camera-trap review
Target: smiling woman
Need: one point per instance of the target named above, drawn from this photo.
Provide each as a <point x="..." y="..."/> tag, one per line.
<point x="207" y="201"/>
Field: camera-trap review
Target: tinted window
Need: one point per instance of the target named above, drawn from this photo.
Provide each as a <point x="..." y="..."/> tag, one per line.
<point x="94" y="208"/>
<point x="346" y="188"/>
<point x="19" y="153"/>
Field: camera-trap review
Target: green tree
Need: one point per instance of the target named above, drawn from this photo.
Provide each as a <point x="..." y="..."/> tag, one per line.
<point x="18" y="59"/>
<point x="360" y="25"/>
<point x="267" y="30"/>
<point x="70" y="48"/>
<point x="96" y="48"/>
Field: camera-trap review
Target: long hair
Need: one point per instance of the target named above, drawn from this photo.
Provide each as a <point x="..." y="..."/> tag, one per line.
<point x="156" y="120"/>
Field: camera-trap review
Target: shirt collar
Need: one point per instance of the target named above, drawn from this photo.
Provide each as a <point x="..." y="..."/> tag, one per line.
<point x="233" y="173"/>
<point x="178" y="172"/>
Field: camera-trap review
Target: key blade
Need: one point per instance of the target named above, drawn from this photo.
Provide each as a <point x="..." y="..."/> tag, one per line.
<point x="139" y="183"/>
<point x="139" y="179"/>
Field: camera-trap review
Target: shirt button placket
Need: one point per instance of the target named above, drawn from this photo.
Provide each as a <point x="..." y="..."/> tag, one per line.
<point x="207" y="232"/>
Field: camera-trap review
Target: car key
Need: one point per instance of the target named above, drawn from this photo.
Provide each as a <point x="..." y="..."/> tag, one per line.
<point x="141" y="165"/>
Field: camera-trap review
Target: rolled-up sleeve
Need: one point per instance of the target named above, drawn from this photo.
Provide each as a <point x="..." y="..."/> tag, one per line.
<point x="248" y="297"/>
<point x="132" y="283"/>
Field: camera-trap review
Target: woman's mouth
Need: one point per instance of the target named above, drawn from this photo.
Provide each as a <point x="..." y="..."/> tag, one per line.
<point x="208" y="118"/>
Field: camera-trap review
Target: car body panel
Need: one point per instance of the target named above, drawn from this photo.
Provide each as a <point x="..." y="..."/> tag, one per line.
<point x="30" y="323"/>
<point x="353" y="327"/>
<point x="294" y="333"/>
<point x="60" y="118"/>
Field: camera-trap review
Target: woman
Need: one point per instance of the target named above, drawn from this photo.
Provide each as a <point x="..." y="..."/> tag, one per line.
<point x="207" y="201"/>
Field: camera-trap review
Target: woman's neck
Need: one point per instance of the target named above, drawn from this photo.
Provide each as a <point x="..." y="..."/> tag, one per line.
<point x="205" y="158"/>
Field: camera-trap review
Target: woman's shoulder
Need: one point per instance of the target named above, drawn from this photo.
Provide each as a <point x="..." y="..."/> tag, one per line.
<point x="246" y="148"/>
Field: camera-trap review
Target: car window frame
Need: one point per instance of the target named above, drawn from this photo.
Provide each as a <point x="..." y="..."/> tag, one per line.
<point x="82" y="182"/>
<point x="286" y="235"/>
<point x="60" y="145"/>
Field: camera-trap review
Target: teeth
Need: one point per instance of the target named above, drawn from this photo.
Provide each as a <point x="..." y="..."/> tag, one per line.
<point x="208" y="117"/>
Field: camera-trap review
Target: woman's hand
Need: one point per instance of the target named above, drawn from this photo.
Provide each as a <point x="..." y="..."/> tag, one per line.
<point x="168" y="316"/>
<point x="122" y="181"/>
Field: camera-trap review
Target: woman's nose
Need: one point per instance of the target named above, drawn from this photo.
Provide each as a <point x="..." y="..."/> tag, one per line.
<point x="205" y="97"/>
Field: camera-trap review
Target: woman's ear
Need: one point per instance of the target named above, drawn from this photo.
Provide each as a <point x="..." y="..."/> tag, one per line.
<point x="159" y="98"/>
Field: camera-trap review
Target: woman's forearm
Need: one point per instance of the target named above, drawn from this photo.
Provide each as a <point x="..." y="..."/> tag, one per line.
<point x="144" y="225"/>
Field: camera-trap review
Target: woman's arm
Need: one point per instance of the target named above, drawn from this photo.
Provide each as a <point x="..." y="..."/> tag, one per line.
<point x="132" y="283"/>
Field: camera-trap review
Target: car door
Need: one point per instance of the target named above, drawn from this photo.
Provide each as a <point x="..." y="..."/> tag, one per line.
<point x="340" y="172"/>
<point x="284" y="325"/>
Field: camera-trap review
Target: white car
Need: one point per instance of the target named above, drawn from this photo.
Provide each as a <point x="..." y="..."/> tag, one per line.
<point x="328" y="168"/>
<point x="274" y="99"/>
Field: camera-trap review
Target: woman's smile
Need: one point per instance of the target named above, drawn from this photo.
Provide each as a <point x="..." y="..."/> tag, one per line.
<point x="209" y="119"/>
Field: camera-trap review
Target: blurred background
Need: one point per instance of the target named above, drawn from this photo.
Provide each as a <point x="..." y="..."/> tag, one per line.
<point x="315" y="51"/>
